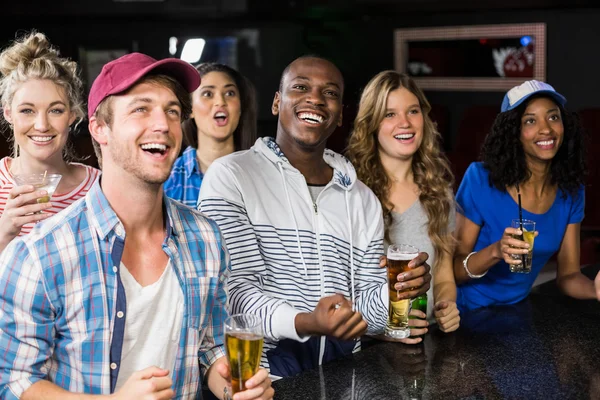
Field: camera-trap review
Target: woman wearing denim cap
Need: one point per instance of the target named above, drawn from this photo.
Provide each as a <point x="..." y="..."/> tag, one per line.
<point x="223" y="121"/>
<point x="535" y="147"/>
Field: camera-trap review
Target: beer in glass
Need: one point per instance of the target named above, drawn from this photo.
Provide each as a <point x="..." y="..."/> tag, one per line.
<point x="398" y="257"/>
<point x="528" y="236"/>
<point x="243" y="344"/>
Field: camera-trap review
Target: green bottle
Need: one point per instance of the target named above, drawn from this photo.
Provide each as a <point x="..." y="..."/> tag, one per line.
<point x="419" y="303"/>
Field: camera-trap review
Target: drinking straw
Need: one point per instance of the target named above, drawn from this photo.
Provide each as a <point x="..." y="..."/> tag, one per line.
<point x="523" y="257"/>
<point x="44" y="178"/>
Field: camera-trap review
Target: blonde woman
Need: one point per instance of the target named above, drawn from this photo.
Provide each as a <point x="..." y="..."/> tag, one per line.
<point x="42" y="101"/>
<point x="395" y="148"/>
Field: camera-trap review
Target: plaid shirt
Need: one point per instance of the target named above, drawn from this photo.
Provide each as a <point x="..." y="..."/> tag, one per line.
<point x="184" y="183"/>
<point x="61" y="293"/>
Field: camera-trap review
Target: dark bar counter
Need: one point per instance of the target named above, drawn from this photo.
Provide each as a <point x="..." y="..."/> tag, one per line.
<point x="546" y="347"/>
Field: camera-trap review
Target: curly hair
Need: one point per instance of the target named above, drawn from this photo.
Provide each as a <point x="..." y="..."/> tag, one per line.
<point x="244" y="134"/>
<point x="503" y="155"/>
<point x="431" y="169"/>
<point x="33" y="57"/>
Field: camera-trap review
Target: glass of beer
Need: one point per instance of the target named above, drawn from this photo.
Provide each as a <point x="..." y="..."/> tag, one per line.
<point x="398" y="257"/>
<point x="243" y="344"/>
<point x="47" y="182"/>
<point x="527" y="236"/>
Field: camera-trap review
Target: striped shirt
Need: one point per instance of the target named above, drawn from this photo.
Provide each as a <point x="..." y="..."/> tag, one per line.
<point x="184" y="183"/>
<point x="62" y="301"/>
<point x="60" y="201"/>
<point x="288" y="251"/>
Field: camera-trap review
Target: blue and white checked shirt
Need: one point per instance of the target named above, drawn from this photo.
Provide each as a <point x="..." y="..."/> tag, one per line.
<point x="60" y="291"/>
<point x="186" y="178"/>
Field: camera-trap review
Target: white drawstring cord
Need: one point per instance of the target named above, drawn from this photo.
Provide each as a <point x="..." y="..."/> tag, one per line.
<point x="351" y="250"/>
<point x="287" y="195"/>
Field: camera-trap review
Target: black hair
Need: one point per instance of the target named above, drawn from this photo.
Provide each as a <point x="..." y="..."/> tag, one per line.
<point x="304" y="57"/>
<point x="503" y="155"/>
<point x="244" y="134"/>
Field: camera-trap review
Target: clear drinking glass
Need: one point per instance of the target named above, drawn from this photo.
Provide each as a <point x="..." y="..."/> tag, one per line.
<point x="243" y="344"/>
<point x="47" y="182"/>
<point x="527" y="236"/>
<point x="398" y="255"/>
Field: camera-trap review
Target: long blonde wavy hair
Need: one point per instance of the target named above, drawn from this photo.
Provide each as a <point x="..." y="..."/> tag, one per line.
<point x="430" y="167"/>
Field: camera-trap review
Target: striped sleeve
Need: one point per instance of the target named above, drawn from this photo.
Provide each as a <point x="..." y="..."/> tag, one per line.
<point x="26" y="322"/>
<point x="221" y="200"/>
<point x="371" y="283"/>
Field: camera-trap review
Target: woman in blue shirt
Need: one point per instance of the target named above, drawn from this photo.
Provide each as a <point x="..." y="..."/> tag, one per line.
<point x="536" y="147"/>
<point x="223" y="120"/>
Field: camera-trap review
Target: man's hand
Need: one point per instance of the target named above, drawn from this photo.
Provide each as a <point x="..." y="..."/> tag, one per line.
<point x="333" y="316"/>
<point x="418" y="279"/>
<point x="257" y="388"/>
<point x="447" y="316"/>
<point x="152" y="383"/>
<point x="418" y="327"/>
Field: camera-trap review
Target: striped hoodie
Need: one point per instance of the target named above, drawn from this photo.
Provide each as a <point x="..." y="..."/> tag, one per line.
<point x="287" y="252"/>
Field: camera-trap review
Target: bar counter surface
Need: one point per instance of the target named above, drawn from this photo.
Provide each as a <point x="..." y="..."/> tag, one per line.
<point x="546" y="347"/>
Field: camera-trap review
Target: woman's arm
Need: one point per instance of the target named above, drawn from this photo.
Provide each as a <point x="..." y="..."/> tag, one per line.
<point x="444" y="288"/>
<point x="444" y="295"/>
<point x="467" y="233"/>
<point x="479" y="263"/>
<point x="569" y="278"/>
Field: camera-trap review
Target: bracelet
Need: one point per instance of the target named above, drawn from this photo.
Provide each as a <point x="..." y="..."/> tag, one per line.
<point x="472" y="276"/>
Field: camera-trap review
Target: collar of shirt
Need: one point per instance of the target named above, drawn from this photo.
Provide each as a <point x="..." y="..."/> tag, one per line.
<point x="105" y="220"/>
<point x="190" y="162"/>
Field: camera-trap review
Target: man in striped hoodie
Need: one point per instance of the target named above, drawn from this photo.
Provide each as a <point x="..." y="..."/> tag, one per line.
<point x="304" y="235"/>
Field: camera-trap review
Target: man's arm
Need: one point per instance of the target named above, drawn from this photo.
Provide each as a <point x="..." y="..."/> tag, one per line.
<point x="26" y="322"/>
<point x="212" y="346"/>
<point x="212" y="353"/>
<point x="45" y="390"/>
<point x="151" y="381"/>
<point x="370" y="281"/>
<point x="221" y="200"/>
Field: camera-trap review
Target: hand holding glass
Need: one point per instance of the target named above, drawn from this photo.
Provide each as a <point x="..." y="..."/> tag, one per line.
<point x="47" y="182"/>
<point x="528" y="236"/>
<point x="243" y="344"/>
<point x="398" y="257"/>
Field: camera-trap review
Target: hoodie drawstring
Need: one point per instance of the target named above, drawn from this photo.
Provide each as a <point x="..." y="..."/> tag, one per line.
<point x="287" y="195"/>
<point x="351" y="250"/>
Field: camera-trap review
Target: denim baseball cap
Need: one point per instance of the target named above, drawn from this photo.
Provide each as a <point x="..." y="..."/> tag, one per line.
<point x="121" y="74"/>
<point x="517" y="95"/>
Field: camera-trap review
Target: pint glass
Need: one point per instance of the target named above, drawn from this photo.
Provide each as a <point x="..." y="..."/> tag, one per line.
<point x="243" y="344"/>
<point x="398" y="257"/>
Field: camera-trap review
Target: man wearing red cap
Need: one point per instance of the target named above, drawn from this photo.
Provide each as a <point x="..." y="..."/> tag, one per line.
<point x="124" y="294"/>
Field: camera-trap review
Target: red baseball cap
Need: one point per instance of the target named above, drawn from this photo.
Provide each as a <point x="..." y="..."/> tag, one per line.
<point x="122" y="73"/>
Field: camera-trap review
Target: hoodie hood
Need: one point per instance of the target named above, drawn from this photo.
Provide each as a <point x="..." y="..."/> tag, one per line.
<point x="344" y="174"/>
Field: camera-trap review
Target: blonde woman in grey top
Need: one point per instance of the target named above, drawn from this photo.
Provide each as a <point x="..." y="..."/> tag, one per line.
<point x="395" y="148"/>
<point x="411" y="226"/>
